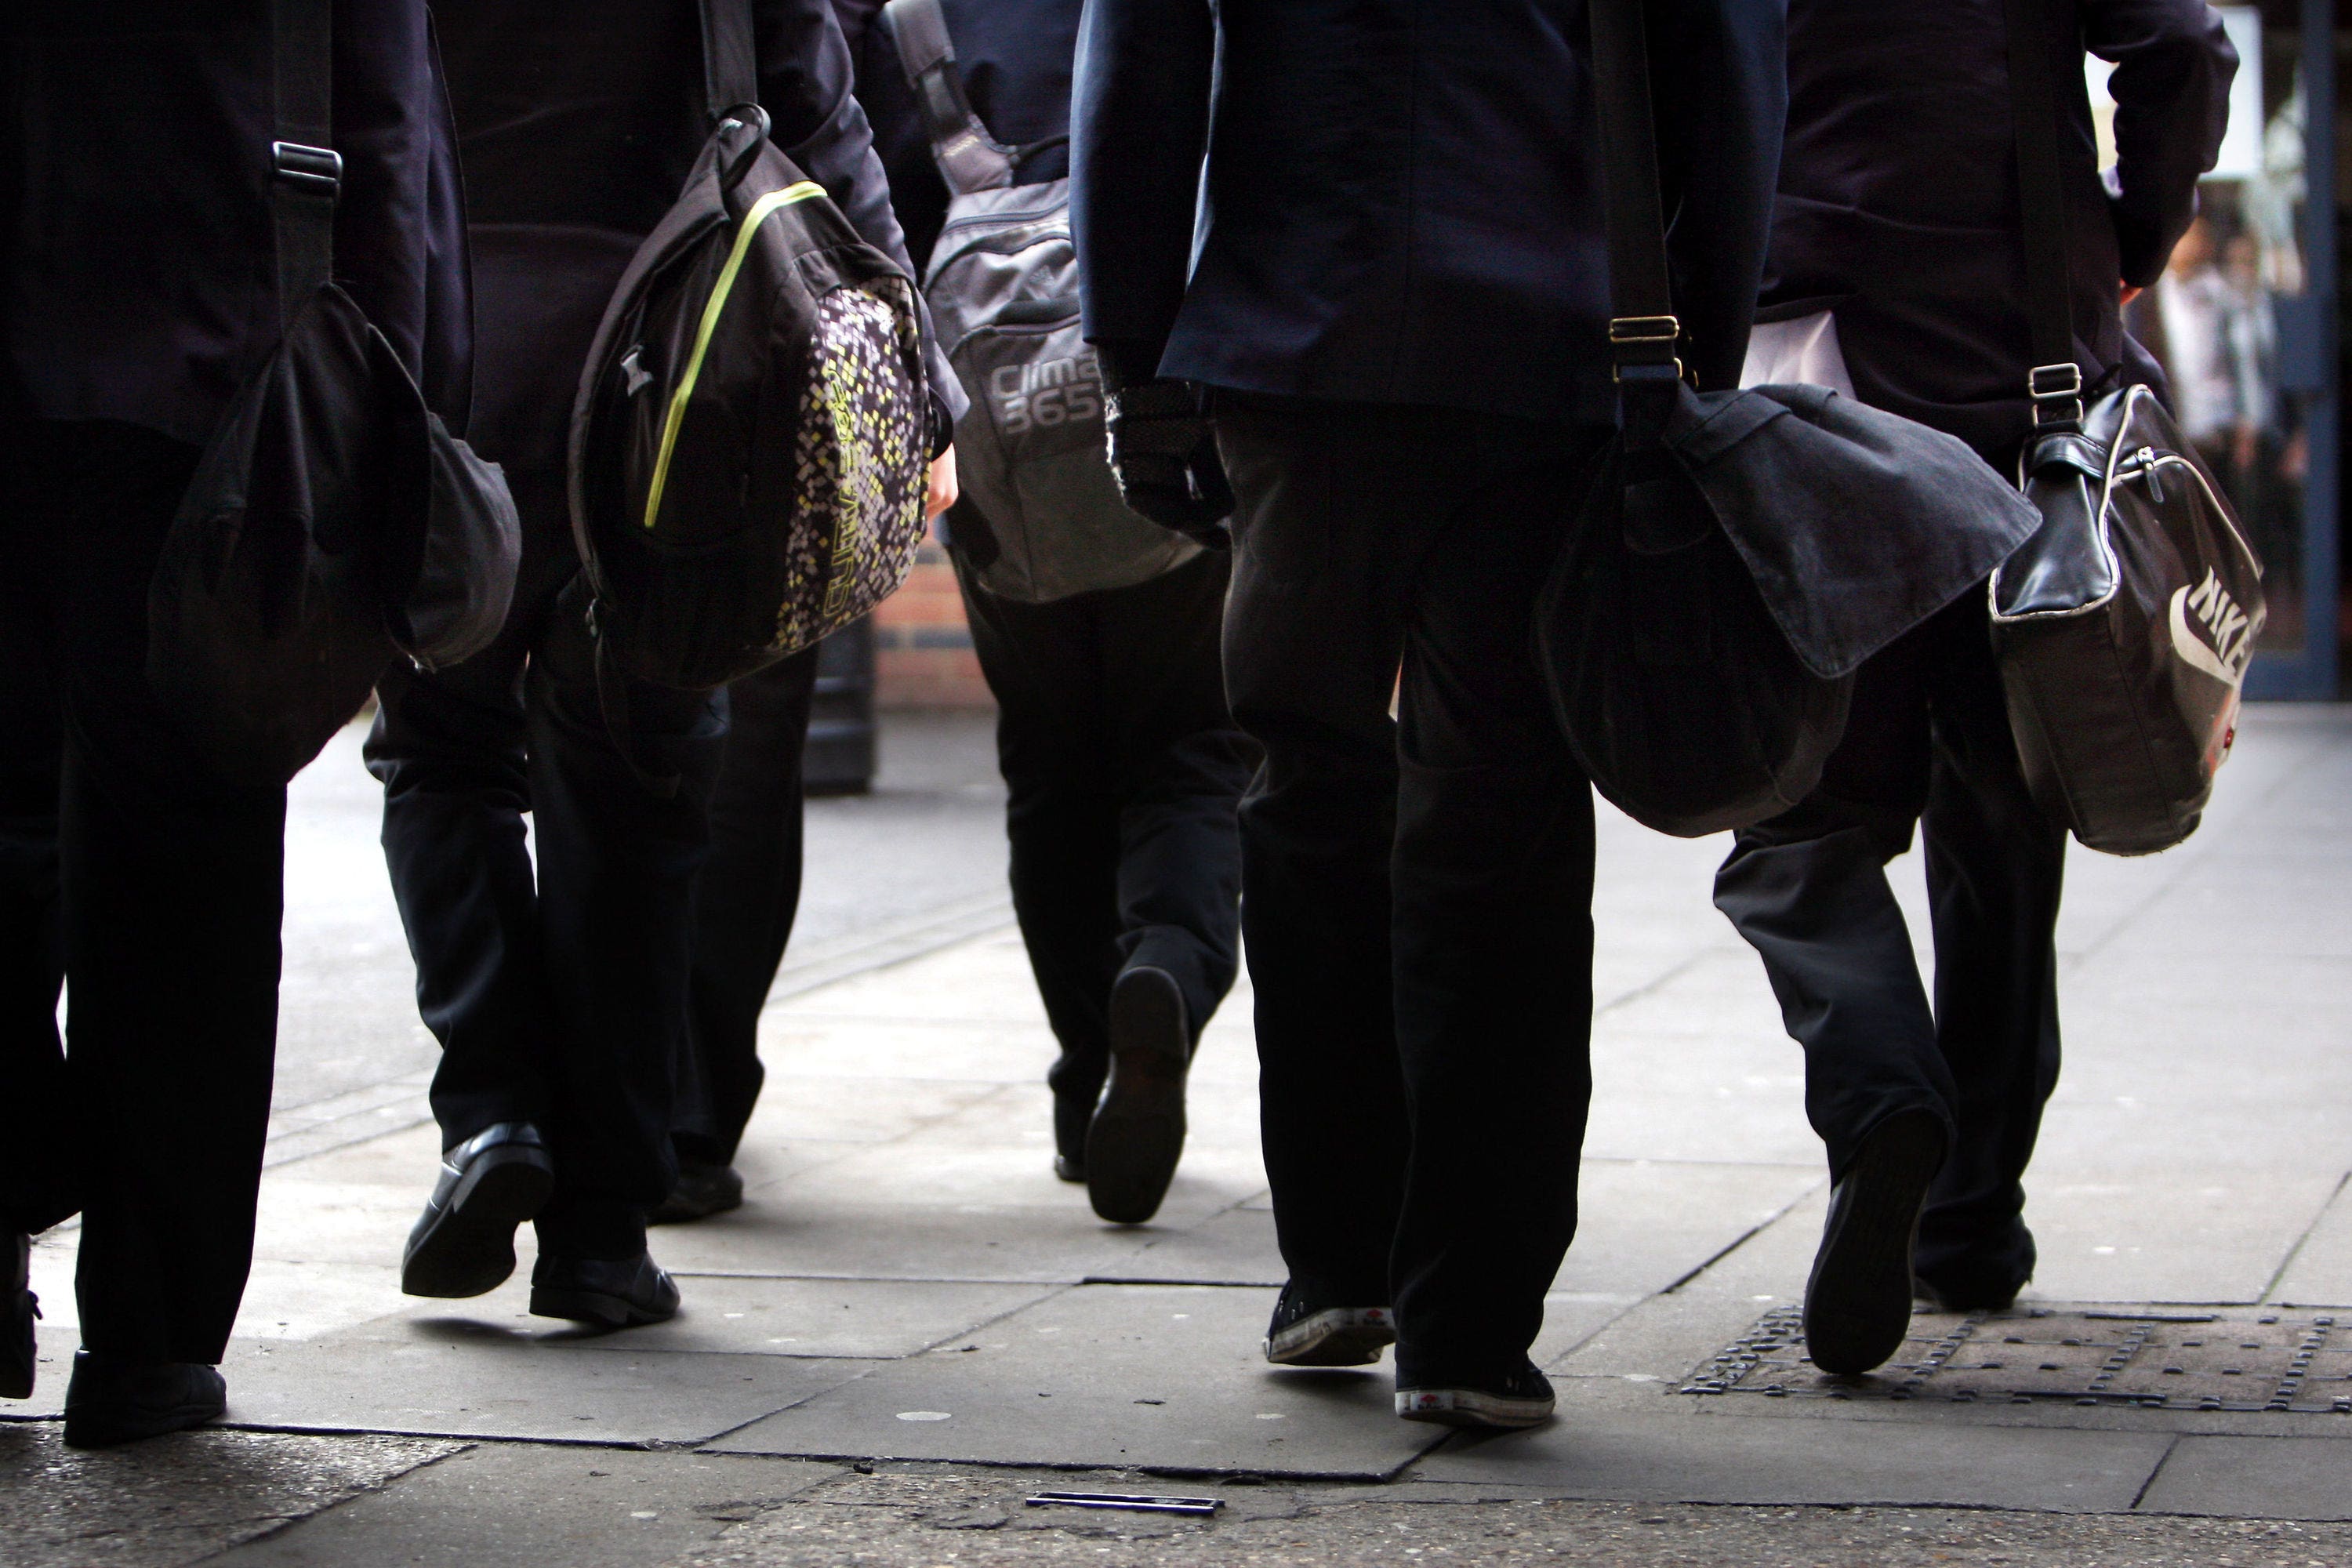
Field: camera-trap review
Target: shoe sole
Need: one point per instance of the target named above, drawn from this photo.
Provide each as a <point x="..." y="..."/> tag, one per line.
<point x="595" y="1307"/>
<point x="1338" y="1336"/>
<point x="677" y="1210"/>
<point x="1469" y="1407"/>
<point x="1138" y="1133"/>
<point x="468" y="1248"/>
<point x="1858" y="1300"/>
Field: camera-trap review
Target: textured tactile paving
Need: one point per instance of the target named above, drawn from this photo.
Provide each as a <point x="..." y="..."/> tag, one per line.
<point x="2124" y="1357"/>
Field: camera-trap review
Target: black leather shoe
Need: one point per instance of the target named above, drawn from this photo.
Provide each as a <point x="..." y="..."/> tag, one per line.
<point x="463" y="1245"/>
<point x="110" y="1401"/>
<point x="1304" y="1333"/>
<point x="1072" y="1116"/>
<point x="611" y="1293"/>
<point x="19" y="1308"/>
<point x="1858" y="1301"/>
<point x="703" y="1189"/>
<point x="1524" y="1398"/>
<point x="1138" y="1133"/>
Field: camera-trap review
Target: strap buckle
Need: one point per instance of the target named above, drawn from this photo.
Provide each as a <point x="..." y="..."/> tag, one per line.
<point x="2057" y="394"/>
<point x="316" y="170"/>
<point x="1644" y="341"/>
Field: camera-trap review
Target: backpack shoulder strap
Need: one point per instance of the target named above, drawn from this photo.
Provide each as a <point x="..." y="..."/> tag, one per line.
<point x="306" y="172"/>
<point x="731" y="71"/>
<point x="2055" y="381"/>
<point x="1644" y="332"/>
<point x="970" y="159"/>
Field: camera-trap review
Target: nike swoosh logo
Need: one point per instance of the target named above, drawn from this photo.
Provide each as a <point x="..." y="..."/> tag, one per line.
<point x="2191" y="647"/>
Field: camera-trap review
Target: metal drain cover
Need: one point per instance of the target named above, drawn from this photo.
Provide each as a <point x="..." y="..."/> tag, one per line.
<point x="2119" y="1356"/>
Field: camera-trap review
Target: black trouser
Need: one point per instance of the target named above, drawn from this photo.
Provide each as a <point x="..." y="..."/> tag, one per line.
<point x="1122" y="768"/>
<point x="1929" y="743"/>
<point x="559" y="999"/>
<point x="1417" y="896"/>
<point x="744" y="901"/>
<point x="151" y="893"/>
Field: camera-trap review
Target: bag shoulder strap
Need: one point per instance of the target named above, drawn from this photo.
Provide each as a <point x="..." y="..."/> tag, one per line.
<point x="970" y="159"/>
<point x="731" y="71"/>
<point x="2056" y="380"/>
<point x="306" y="173"/>
<point x="1644" y="330"/>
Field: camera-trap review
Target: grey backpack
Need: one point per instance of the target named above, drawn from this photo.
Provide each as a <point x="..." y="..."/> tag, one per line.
<point x="1045" y="520"/>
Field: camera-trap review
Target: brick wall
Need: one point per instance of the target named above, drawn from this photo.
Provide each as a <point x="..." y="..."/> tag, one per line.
<point x="922" y="650"/>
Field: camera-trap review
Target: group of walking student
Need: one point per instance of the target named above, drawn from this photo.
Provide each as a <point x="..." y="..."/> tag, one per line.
<point x="1341" y="321"/>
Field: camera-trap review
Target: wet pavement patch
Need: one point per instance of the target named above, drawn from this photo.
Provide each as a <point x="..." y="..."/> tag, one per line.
<point x="2250" y="1359"/>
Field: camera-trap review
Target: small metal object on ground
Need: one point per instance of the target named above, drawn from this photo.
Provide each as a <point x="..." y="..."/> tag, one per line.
<point x="1137" y="1501"/>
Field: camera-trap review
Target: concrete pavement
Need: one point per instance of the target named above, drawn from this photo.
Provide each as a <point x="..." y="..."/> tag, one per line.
<point x="911" y="1324"/>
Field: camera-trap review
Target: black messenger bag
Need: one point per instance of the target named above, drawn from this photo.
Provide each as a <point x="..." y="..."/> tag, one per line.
<point x="1045" y="519"/>
<point x="333" y="522"/>
<point x="1734" y="556"/>
<point x="751" y="436"/>
<point x="2123" y="627"/>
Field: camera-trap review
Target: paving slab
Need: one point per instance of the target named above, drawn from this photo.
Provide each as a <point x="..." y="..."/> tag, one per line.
<point x="913" y="1239"/>
<point x="1642" y="1224"/>
<point x="463" y="1379"/>
<point x="179" y="1499"/>
<point x="504" y="1506"/>
<point x="1730" y="1459"/>
<point x="2274" y="1478"/>
<point x="746" y="1315"/>
<point x="1159" y="1377"/>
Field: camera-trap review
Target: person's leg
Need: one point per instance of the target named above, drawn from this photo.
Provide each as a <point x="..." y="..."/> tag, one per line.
<point x="745" y="897"/>
<point x="1807" y="890"/>
<point x="1493" y="922"/>
<point x="450" y="750"/>
<point x="40" y="1181"/>
<point x="172" y="898"/>
<point x="1314" y="628"/>
<point x="617" y="859"/>
<point x="1181" y="766"/>
<point x="1042" y="663"/>
<point x="1995" y="865"/>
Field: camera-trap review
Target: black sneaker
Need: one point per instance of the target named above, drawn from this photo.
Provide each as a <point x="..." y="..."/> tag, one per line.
<point x="703" y="1189"/>
<point x="463" y="1244"/>
<point x="1302" y="1334"/>
<point x="19" y="1308"/>
<point x="1858" y="1301"/>
<point x="110" y="1401"/>
<point x="1522" y="1399"/>
<point x="609" y="1293"/>
<point x="1138" y="1133"/>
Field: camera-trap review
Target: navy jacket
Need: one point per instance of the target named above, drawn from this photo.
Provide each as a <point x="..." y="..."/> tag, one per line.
<point x="1898" y="189"/>
<point x="1400" y="200"/>
<point x="138" y="280"/>
<point x="578" y="121"/>
<point x="1014" y="57"/>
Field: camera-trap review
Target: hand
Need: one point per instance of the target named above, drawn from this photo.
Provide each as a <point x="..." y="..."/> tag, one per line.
<point x="2131" y="293"/>
<point x="1163" y="452"/>
<point x="941" y="492"/>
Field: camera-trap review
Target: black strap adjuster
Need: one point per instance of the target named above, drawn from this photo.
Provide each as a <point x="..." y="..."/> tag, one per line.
<point x="2057" y="394"/>
<point x="1645" y="340"/>
<point x="316" y="170"/>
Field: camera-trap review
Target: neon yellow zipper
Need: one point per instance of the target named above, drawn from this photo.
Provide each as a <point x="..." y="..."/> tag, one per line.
<point x="758" y="214"/>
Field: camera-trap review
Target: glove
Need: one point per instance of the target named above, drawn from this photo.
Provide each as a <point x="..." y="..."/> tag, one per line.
<point x="1163" y="452"/>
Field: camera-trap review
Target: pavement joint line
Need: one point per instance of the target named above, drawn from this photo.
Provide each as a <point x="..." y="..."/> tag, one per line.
<point x="2318" y="1218"/>
<point x="1746" y="1237"/>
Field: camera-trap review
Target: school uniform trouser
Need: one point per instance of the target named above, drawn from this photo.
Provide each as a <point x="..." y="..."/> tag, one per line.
<point x="745" y="898"/>
<point x="555" y="977"/>
<point x="1417" y="894"/>
<point x="1122" y="769"/>
<point x="1927" y="743"/>
<point x="152" y="893"/>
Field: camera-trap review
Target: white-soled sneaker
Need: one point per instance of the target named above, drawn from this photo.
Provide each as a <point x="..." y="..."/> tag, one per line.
<point x="1302" y="1334"/>
<point x="1523" y="1399"/>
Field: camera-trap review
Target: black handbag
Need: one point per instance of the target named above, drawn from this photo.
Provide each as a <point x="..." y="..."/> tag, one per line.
<point x="751" y="433"/>
<point x="333" y="522"/>
<point x="2123" y="627"/>
<point x="1734" y="556"/>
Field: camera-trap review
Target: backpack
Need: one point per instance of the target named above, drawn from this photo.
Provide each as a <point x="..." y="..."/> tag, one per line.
<point x="1045" y="520"/>
<point x="333" y="523"/>
<point x="752" y="436"/>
